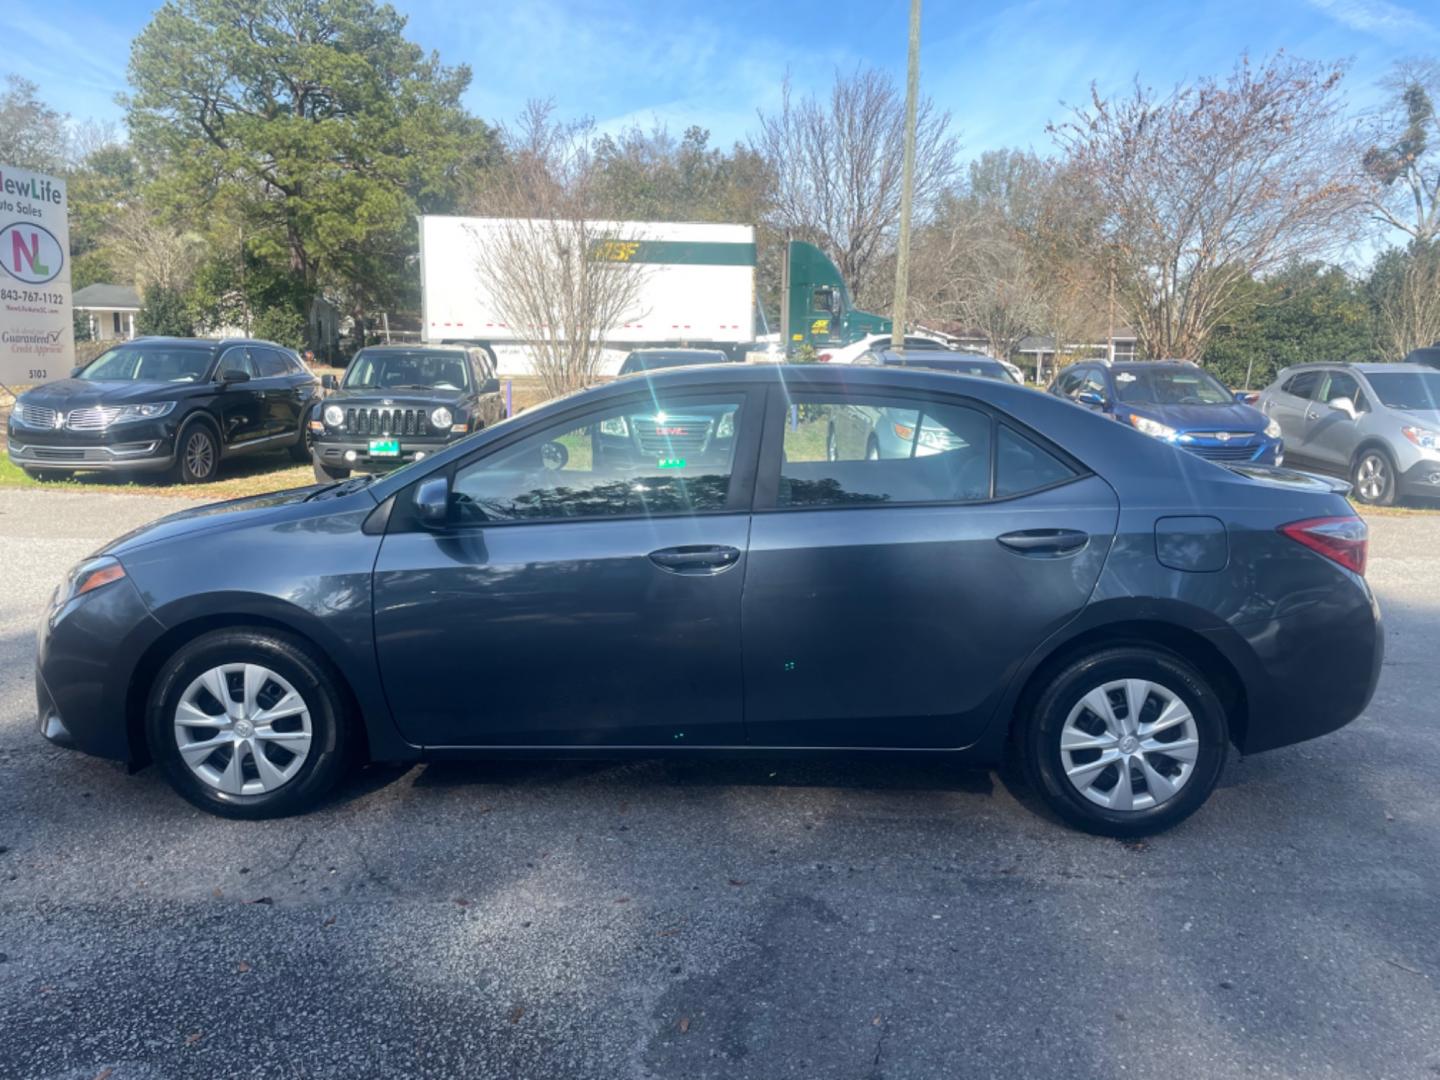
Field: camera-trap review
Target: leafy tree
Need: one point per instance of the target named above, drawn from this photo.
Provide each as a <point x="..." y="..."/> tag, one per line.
<point x="32" y="135"/>
<point x="1307" y="312"/>
<point x="315" y="123"/>
<point x="282" y="325"/>
<point x="164" y="312"/>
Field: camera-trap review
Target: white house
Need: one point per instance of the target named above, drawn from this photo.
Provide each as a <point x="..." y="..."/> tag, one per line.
<point x="110" y="310"/>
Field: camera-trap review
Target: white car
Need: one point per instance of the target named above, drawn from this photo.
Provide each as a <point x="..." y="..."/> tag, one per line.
<point x="848" y="354"/>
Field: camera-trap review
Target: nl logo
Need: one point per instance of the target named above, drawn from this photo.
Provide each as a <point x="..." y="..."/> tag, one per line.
<point x="30" y="253"/>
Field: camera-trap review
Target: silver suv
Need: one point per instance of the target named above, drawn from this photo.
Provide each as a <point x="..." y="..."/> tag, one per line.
<point x="1377" y="424"/>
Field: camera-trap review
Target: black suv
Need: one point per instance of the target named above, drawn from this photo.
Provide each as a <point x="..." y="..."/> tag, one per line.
<point x="397" y="403"/>
<point x="173" y="405"/>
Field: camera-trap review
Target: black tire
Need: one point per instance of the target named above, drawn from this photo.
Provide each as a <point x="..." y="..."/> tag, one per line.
<point x="300" y="449"/>
<point x="1371" y="464"/>
<point x="287" y="657"/>
<point x="326" y="475"/>
<point x="1039" y="736"/>
<point x="197" y="455"/>
<point x="44" y="476"/>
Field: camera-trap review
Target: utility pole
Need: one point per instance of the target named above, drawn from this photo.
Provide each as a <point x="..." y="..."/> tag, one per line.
<point x="907" y="183"/>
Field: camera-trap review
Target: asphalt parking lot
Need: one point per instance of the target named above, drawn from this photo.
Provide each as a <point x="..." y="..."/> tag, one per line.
<point x="732" y="920"/>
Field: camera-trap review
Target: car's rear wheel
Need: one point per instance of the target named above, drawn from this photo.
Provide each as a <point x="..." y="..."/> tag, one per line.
<point x="247" y="723"/>
<point x="1373" y="477"/>
<point x="1125" y="741"/>
<point x="326" y="475"/>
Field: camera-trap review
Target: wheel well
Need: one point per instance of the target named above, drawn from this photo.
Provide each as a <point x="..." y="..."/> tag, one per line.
<point x="199" y="416"/>
<point x="1186" y="644"/>
<point x="142" y="681"/>
<point x="1371" y="444"/>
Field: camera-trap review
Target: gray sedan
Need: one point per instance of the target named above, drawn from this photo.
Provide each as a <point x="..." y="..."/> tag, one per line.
<point x="1377" y="424"/>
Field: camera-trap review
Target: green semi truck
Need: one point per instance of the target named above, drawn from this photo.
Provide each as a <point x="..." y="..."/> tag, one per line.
<point x="815" y="304"/>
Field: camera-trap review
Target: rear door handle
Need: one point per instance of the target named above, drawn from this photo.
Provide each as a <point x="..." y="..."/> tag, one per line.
<point x="696" y="558"/>
<point x="1044" y="543"/>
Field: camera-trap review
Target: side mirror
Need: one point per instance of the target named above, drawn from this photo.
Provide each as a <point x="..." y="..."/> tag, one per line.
<point x="1091" y="397"/>
<point x="234" y="375"/>
<point x="329" y="382"/>
<point x="490" y="386"/>
<point x="1345" y="405"/>
<point x="432" y="501"/>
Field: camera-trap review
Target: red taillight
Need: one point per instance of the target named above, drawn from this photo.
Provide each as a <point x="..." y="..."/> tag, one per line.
<point x="1341" y="539"/>
<point x="822" y="358"/>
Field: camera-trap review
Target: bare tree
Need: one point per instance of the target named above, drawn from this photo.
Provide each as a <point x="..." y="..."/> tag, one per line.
<point x="1213" y="183"/>
<point x="1408" y="298"/>
<point x="556" y="276"/>
<point x="837" y="165"/>
<point x="159" y="254"/>
<point x="32" y="135"/>
<point x="1402" y="158"/>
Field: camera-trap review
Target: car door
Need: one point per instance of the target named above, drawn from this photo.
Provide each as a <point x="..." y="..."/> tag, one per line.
<point x="244" y="412"/>
<point x="1288" y="406"/>
<point x="1333" y="435"/>
<point x="889" y="602"/>
<point x="279" y="385"/>
<point x="586" y="588"/>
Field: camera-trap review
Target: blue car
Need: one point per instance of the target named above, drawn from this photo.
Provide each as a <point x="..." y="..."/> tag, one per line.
<point x="1176" y="401"/>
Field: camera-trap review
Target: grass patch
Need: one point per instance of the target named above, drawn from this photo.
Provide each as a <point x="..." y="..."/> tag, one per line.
<point x="254" y="475"/>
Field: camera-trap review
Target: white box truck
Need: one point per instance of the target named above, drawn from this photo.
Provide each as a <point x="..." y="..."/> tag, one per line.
<point x="698" y="287"/>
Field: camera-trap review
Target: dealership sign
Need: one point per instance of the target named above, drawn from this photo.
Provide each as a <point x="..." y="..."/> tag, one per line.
<point x="37" y="337"/>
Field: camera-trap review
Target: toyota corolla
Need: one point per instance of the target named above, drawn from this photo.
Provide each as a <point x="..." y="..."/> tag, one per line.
<point x="686" y="564"/>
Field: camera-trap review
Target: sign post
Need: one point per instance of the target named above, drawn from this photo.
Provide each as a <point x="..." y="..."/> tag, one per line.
<point x="37" y="336"/>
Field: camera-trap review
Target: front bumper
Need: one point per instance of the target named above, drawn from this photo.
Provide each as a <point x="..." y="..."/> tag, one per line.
<point x="87" y="652"/>
<point x="124" y="447"/>
<point x="1421" y="480"/>
<point x="335" y="453"/>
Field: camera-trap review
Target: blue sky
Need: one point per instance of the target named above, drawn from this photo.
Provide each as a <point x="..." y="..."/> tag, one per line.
<point x="1001" y="69"/>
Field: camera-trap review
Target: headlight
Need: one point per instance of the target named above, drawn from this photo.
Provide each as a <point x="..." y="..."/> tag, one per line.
<point x="441" y="417"/>
<point x="1422" y="437"/>
<point x="1151" y="427"/>
<point x="87" y="577"/>
<point x="1272" y="429"/>
<point x="615" y="426"/>
<point x="334" y="415"/>
<point x="125" y="414"/>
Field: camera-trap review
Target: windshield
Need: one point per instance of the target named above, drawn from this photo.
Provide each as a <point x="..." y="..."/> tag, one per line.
<point x="1407" y="389"/>
<point x="150" y="363"/>
<point x="390" y="369"/>
<point x="1171" y="386"/>
<point x="652" y="361"/>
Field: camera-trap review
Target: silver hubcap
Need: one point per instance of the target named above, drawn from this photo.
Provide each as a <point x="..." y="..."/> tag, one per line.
<point x="1129" y="745"/>
<point x="1372" y="476"/>
<point x="199" y="454"/>
<point x="243" y="729"/>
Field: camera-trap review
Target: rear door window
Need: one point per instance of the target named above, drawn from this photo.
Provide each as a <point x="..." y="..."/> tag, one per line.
<point x="1023" y="465"/>
<point x="878" y="449"/>
<point x="269" y="363"/>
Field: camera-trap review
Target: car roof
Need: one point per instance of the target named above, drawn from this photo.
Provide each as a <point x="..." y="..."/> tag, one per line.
<point x="951" y="356"/>
<point x="1364" y="369"/>
<point x="678" y="351"/>
<point x="417" y="346"/>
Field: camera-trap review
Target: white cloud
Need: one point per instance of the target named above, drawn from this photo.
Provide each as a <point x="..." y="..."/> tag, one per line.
<point x="1379" y="17"/>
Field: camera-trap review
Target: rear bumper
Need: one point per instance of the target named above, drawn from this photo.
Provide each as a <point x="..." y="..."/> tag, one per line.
<point x="1309" y="672"/>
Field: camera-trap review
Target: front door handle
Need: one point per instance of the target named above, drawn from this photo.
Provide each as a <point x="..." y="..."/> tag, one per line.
<point x="696" y="558"/>
<point x="1045" y="543"/>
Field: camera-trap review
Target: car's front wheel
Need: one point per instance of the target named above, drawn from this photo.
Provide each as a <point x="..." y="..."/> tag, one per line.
<point x="197" y="455"/>
<point x="1374" y="478"/>
<point x="1125" y="741"/>
<point x="247" y="723"/>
